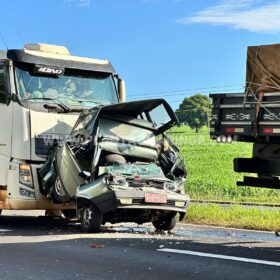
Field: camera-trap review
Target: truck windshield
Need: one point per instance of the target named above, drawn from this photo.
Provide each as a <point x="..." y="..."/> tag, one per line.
<point x="74" y="88"/>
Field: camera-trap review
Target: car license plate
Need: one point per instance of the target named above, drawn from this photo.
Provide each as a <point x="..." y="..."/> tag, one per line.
<point x="155" y="198"/>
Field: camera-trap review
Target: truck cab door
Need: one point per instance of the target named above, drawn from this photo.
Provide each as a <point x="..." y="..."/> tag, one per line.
<point x="6" y="115"/>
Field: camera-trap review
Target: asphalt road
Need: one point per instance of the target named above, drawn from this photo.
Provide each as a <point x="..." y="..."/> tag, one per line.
<point x="34" y="247"/>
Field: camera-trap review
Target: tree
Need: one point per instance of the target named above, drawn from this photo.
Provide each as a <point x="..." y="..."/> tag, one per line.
<point x="194" y="111"/>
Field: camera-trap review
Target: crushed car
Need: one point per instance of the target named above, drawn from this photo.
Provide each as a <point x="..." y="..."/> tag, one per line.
<point x="118" y="165"/>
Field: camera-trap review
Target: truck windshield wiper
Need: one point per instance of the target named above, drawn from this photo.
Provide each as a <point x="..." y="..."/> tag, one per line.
<point x="63" y="106"/>
<point x="93" y="101"/>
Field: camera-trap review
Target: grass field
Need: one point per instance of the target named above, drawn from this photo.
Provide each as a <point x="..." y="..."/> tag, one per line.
<point x="210" y="168"/>
<point x="234" y="216"/>
<point x="211" y="177"/>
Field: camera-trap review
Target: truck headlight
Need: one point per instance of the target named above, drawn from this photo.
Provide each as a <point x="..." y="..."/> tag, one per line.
<point x="170" y="186"/>
<point x="24" y="192"/>
<point x="25" y="175"/>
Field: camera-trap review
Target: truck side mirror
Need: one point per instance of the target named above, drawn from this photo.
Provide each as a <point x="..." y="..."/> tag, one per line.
<point x="121" y="90"/>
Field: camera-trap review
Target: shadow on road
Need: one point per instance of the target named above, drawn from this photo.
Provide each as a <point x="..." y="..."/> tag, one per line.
<point x="20" y="227"/>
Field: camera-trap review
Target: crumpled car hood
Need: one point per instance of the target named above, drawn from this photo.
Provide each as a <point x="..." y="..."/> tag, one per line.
<point x="133" y="109"/>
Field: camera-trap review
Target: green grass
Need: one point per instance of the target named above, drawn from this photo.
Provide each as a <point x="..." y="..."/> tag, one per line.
<point x="210" y="168"/>
<point x="234" y="216"/>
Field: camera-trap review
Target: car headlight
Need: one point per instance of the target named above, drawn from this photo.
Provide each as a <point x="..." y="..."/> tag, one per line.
<point x="170" y="186"/>
<point x="126" y="200"/>
<point x="118" y="181"/>
<point x="25" y="175"/>
<point x="180" y="203"/>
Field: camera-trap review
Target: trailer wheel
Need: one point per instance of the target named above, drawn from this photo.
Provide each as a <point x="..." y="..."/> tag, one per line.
<point x="91" y="218"/>
<point x="166" y="222"/>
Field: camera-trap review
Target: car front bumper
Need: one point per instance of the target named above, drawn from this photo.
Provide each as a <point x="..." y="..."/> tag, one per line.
<point x="112" y="199"/>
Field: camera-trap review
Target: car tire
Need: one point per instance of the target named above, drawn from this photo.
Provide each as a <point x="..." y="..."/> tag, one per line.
<point x="91" y="218"/>
<point x="166" y="222"/>
<point x="69" y="214"/>
<point x="59" y="194"/>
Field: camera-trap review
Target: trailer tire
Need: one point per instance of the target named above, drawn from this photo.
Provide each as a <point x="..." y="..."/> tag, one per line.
<point x="166" y="222"/>
<point x="91" y="218"/>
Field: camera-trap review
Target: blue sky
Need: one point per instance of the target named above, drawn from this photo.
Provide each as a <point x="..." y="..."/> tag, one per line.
<point x="162" y="48"/>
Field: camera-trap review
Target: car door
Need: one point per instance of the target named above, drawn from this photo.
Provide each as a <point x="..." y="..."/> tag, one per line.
<point x="178" y="170"/>
<point x="74" y="157"/>
<point x="68" y="172"/>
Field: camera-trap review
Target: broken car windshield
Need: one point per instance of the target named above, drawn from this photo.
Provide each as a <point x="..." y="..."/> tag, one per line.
<point x="146" y="170"/>
<point x="74" y="88"/>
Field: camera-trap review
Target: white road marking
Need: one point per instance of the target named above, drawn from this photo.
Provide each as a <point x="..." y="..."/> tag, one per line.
<point x="216" y="256"/>
<point x="4" y="230"/>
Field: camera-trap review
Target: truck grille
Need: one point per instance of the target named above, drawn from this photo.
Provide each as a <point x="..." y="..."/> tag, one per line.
<point x="44" y="147"/>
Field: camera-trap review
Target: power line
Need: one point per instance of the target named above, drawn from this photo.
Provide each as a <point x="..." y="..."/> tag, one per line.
<point x="183" y="91"/>
<point x="189" y="93"/>
<point x="4" y="41"/>
<point x="18" y="30"/>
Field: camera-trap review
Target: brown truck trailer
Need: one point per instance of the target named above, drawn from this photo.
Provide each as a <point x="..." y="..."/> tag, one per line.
<point x="253" y="116"/>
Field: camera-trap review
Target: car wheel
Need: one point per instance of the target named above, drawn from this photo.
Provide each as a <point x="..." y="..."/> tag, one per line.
<point x="167" y="222"/>
<point x="59" y="194"/>
<point x="69" y="214"/>
<point x="91" y="218"/>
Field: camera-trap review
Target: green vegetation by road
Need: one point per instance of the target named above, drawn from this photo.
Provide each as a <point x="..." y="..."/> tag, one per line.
<point x="211" y="177"/>
<point x="210" y="168"/>
<point x="234" y="216"/>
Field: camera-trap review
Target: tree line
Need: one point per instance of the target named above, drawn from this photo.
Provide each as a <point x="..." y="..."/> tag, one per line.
<point x="194" y="111"/>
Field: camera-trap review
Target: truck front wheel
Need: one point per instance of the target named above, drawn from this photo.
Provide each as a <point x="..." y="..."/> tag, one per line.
<point x="166" y="222"/>
<point x="91" y="218"/>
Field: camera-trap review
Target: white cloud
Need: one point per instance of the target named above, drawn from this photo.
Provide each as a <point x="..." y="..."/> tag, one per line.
<point x="253" y="15"/>
<point x="79" y="3"/>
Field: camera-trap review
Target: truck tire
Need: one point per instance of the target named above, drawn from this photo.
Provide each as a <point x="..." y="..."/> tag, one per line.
<point x="91" y="218"/>
<point x="166" y="222"/>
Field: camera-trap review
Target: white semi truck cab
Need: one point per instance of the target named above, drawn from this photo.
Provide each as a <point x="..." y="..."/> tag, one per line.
<point x="42" y="91"/>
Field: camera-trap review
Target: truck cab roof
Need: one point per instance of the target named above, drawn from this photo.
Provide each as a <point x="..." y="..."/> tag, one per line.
<point x="59" y="56"/>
